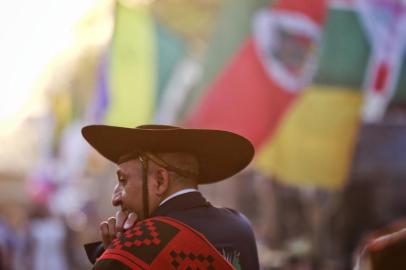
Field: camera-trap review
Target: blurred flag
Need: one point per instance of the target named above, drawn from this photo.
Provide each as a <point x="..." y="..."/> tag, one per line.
<point x="100" y="101"/>
<point x="131" y="67"/>
<point x="173" y="97"/>
<point x="385" y="24"/>
<point x="315" y="141"/>
<point x="62" y="108"/>
<point x="235" y="19"/>
<point x="170" y="50"/>
<point x="132" y="76"/>
<point x="256" y="87"/>
<point x="342" y="3"/>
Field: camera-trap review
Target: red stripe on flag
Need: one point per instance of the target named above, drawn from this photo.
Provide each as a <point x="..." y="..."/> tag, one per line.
<point x="381" y="77"/>
<point x="314" y="9"/>
<point x="243" y="99"/>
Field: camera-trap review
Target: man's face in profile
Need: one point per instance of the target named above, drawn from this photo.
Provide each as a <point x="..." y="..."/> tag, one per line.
<point x="128" y="191"/>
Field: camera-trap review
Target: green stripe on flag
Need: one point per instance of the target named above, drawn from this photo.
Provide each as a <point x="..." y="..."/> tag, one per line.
<point x="400" y="92"/>
<point x="171" y="49"/>
<point x="344" y="51"/>
<point x="234" y="25"/>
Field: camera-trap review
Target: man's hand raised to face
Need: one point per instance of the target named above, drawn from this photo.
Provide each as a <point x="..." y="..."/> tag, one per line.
<point x="115" y="226"/>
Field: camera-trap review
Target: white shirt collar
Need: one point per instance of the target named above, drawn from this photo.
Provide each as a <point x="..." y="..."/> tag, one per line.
<point x="180" y="192"/>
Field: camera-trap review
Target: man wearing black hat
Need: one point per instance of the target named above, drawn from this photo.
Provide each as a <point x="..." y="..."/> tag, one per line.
<point x="159" y="169"/>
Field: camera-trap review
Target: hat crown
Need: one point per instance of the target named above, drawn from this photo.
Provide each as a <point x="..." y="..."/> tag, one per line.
<point x="150" y="126"/>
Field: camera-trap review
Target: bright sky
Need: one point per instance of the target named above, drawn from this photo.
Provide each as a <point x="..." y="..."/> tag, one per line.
<point x="31" y="34"/>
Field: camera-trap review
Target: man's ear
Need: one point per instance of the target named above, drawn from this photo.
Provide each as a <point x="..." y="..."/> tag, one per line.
<point x="162" y="181"/>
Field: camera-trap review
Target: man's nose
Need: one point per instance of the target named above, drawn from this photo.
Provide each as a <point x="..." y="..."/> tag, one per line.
<point x="117" y="194"/>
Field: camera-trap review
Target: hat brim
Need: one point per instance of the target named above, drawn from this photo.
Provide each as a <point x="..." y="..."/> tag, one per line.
<point x="220" y="154"/>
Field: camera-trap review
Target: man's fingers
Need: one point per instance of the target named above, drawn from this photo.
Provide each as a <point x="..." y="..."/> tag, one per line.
<point x="121" y="216"/>
<point x="130" y="221"/>
<point x="114" y="226"/>
<point x="111" y="221"/>
<point x="104" y="231"/>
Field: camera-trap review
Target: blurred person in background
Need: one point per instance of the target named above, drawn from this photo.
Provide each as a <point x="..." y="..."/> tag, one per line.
<point x="159" y="169"/>
<point x="6" y="246"/>
<point x="46" y="241"/>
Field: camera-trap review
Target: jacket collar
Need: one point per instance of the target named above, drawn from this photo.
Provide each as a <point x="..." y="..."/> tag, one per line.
<point x="182" y="202"/>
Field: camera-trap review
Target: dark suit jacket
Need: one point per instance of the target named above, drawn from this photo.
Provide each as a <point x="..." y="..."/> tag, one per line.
<point x="229" y="231"/>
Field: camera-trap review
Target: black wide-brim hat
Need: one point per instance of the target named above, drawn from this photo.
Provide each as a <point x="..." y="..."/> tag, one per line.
<point x="220" y="154"/>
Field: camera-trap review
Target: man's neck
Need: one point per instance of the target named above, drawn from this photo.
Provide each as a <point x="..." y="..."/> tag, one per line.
<point x="177" y="193"/>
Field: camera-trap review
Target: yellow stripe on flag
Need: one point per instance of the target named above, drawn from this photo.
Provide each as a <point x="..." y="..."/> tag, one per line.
<point x="63" y="112"/>
<point x="132" y="78"/>
<point x="314" y="142"/>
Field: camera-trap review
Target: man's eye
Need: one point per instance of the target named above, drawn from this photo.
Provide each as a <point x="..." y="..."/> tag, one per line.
<point x="122" y="180"/>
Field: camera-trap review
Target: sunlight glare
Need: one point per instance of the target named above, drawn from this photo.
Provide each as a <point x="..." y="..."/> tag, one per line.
<point x="32" y="33"/>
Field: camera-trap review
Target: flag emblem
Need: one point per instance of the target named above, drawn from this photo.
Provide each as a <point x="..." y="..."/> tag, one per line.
<point x="287" y="43"/>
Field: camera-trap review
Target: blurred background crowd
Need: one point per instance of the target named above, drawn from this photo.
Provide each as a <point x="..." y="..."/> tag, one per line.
<point x="318" y="86"/>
